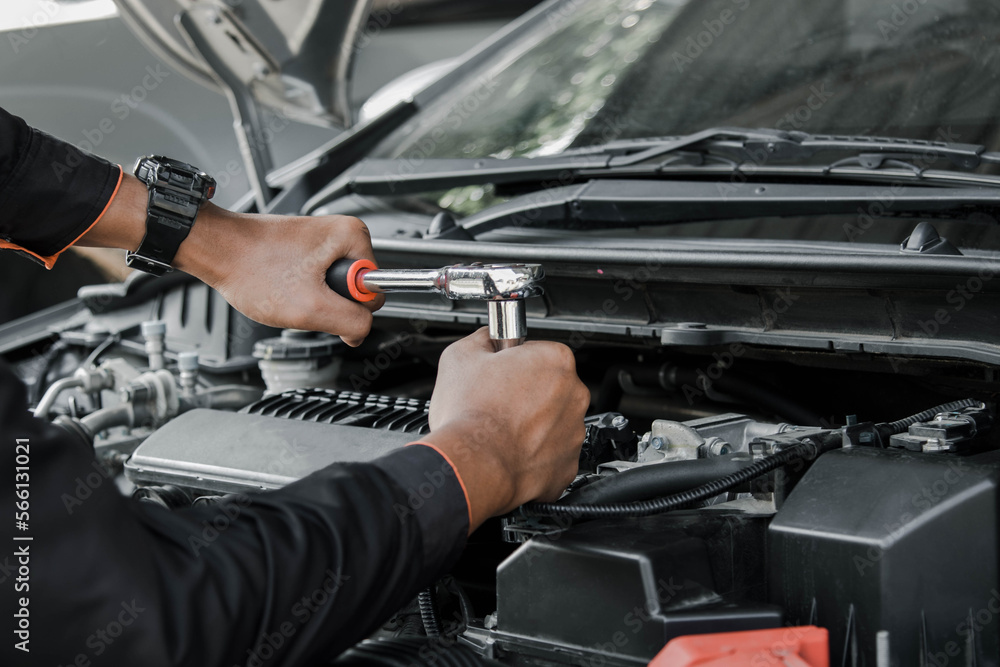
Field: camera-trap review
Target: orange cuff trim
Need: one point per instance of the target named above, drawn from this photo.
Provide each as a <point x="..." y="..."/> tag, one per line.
<point x="50" y="261"/>
<point x="468" y="505"/>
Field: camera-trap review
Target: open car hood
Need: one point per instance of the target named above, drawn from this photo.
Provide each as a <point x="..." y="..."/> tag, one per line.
<point x="291" y="55"/>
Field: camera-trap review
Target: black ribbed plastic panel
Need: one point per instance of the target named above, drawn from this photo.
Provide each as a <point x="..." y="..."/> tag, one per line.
<point x="326" y="406"/>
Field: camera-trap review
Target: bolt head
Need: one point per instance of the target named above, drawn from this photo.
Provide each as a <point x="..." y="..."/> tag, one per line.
<point x="187" y="361"/>
<point x="153" y="328"/>
<point x="619" y="422"/>
<point x="657" y="442"/>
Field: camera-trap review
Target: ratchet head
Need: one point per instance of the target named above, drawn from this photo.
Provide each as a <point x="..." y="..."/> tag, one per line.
<point x="491" y="282"/>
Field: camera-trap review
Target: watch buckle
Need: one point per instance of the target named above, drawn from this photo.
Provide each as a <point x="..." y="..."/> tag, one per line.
<point x="137" y="261"/>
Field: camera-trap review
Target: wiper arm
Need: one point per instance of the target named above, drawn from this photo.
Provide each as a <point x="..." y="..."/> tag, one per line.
<point x="610" y="204"/>
<point x="400" y="177"/>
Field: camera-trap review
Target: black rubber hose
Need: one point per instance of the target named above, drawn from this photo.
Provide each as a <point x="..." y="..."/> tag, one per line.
<point x="900" y="425"/>
<point x="676" y="501"/>
<point x="609" y="396"/>
<point x="428" y="613"/>
<point x="37" y="387"/>
<point x="661" y="479"/>
<point x="464" y="602"/>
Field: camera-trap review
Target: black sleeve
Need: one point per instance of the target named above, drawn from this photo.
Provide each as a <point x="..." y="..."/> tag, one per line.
<point x="51" y="192"/>
<point x="278" y="578"/>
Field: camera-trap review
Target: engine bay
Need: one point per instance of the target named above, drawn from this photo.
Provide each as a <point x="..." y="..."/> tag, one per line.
<point x="722" y="486"/>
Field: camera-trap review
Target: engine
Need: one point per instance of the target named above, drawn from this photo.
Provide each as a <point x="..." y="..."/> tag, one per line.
<point x="741" y="510"/>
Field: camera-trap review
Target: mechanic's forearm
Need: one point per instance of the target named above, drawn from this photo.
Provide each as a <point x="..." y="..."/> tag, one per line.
<point x="487" y="482"/>
<point x="298" y="574"/>
<point x="204" y="253"/>
<point x="269" y="267"/>
<point x="50" y="192"/>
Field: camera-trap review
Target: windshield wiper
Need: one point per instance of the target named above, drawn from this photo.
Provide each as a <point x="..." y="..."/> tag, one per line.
<point x="765" y="145"/>
<point x="735" y="147"/>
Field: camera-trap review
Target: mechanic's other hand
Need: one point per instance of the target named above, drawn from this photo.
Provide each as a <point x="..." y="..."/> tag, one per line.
<point x="510" y="421"/>
<point x="272" y="269"/>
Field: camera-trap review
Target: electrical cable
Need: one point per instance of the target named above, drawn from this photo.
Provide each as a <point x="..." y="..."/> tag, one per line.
<point x="900" y="425"/>
<point x="653" y="481"/>
<point x="800" y="450"/>
<point x="803" y="449"/>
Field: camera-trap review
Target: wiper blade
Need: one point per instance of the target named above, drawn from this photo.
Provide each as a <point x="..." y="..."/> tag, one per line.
<point x="390" y="177"/>
<point x="764" y="145"/>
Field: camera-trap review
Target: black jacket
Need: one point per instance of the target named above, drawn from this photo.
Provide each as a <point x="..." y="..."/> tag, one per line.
<point x="280" y="578"/>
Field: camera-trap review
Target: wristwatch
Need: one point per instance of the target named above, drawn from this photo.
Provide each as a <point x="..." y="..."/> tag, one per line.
<point x="177" y="191"/>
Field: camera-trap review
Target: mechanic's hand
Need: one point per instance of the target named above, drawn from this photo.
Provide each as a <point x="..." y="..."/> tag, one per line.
<point x="271" y="268"/>
<point x="511" y="421"/>
<point x="276" y="273"/>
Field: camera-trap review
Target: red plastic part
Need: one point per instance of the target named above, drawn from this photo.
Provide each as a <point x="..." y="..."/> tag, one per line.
<point x="356" y="282"/>
<point x="801" y="646"/>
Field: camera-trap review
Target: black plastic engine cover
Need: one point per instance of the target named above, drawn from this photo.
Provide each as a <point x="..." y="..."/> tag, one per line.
<point x="617" y="591"/>
<point x="874" y="540"/>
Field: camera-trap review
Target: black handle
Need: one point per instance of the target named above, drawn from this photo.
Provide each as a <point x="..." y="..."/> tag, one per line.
<point x="342" y="277"/>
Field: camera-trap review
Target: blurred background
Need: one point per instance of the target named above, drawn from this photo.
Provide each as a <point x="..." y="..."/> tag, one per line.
<point x="74" y="69"/>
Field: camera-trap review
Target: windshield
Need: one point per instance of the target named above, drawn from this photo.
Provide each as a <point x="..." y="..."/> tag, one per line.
<point x="599" y="71"/>
<point x="594" y="72"/>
